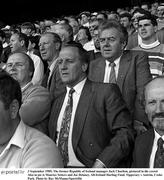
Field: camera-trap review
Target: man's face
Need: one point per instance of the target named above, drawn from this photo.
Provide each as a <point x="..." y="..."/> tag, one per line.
<point x="154" y="104"/>
<point x="125" y="22"/>
<point x="110" y="44"/>
<point x="15" y="43"/>
<point x="26" y="31"/>
<point x="146" y="30"/>
<point x="71" y="69"/>
<point x="18" y="67"/>
<point x="47" y="47"/>
<point x="92" y="26"/>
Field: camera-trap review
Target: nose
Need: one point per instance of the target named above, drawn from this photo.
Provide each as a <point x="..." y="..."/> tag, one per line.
<point x="63" y="65"/>
<point x="159" y="107"/>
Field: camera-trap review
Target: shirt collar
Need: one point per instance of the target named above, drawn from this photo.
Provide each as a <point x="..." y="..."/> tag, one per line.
<point x="157" y="136"/>
<point x="25" y="86"/>
<point x="78" y="87"/>
<point x="149" y="46"/>
<point x="115" y="61"/>
<point x="53" y="65"/>
<point x="18" y="137"/>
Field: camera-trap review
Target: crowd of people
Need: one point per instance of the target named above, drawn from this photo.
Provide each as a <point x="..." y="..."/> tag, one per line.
<point x="84" y="91"/>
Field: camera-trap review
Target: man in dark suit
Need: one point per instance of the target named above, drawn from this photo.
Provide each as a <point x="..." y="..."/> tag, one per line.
<point x="149" y="145"/>
<point x="131" y="69"/>
<point x="49" y="46"/>
<point x="100" y="132"/>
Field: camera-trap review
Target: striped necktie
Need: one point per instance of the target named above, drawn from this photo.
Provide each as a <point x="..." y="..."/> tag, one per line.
<point x="112" y="77"/>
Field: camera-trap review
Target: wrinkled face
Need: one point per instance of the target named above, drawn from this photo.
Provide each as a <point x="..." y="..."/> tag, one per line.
<point x="84" y="19"/>
<point x="82" y="35"/>
<point x="145" y="29"/>
<point x="26" y="31"/>
<point x="71" y="69"/>
<point x="125" y="21"/>
<point x="47" y="47"/>
<point x="154" y="104"/>
<point x="18" y="67"/>
<point x="15" y="43"/>
<point x="110" y="44"/>
<point x="92" y="26"/>
<point x="96" y="39"/>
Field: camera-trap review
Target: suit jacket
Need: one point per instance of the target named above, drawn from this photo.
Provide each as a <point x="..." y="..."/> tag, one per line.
<point x="102" y="126"/>
<point x="133" y="74"/>
<point x="35" y="108"/>
<point x="142" y="149"/>
<point x="55" y="84"/>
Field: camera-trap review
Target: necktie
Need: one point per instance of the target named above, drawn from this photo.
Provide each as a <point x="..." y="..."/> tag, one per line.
<point x="159" y="156"/>
<point x="65" y="126"/>
<point x="45" y="78"/>
<point x="112" y="77"/>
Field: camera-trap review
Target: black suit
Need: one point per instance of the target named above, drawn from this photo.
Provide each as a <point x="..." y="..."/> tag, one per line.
<point x="142" y="150"/>
<point x="102" y="126"/>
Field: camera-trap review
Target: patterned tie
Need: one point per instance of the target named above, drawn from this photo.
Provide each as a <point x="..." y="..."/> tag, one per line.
<point x="65" y="126"/>
<point x="112" y="78"/>
<point x="45" y="78"/>
<point x="159" y="156"/>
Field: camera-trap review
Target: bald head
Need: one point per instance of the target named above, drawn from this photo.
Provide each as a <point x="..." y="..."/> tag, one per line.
<point x="154" y="103"/>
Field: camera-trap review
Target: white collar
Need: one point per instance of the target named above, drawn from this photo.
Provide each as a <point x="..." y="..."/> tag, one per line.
<point x="149" y="46"/>
<point x="115" y="61"/>
<point x="18" y="137"/>
<point x="53" y="65"/>
<point x="25" y="86"/>
<point x="78" y="87"/>
<point x="157" y="136"/>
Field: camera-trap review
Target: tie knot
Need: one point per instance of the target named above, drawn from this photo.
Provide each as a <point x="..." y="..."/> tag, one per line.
<point x="71" y="91"/>
<point x="160" y="142"/>
<point x="112" y="64"/>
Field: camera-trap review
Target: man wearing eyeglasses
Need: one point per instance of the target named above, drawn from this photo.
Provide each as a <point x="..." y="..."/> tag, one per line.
<point x="128" y="69"/>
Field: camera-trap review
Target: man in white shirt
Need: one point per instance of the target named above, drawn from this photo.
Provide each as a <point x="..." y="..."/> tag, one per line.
<point x="19" y="43"/>
<point x="20" y="145"/>
<point x="49" y="45"/>
<point x="148" y="145"/>
<point x="36" y="99"/>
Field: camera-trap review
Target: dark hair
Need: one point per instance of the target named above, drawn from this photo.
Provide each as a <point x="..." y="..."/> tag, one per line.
<point x="82" y="52"/>
<point x="86" y="31"/>
<point x="28" y="25"/>
<point x="2" y="34"/>
<point x="129" y="16"/>
<point x="9" y="90"/>
<point x="35" y="39"/>
<point x="149" y="17"/>
<point x="56" y="38"/>
<point x="23" y="37"/>
<point x="108" y="24"/>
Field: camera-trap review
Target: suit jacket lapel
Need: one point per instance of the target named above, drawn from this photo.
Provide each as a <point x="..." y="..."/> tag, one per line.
<point x="123" y="69"/>
<point x="99" y="70"/>
<point x="147" y="148"/>
<point x="55" y="114"/>
<point x="81" y="112"/>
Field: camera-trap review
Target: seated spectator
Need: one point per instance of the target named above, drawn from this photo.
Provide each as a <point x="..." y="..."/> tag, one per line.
<point x="148" y="150"/>
<point x="28" y="28"/>
<point x="20" y="145"/>
<point x="36" y="100"/>
<point x="19" y="43"/>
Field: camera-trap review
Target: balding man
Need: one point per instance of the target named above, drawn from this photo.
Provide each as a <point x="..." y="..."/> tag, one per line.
<point x="36" y="99"/>
<point x="149" y="149"/>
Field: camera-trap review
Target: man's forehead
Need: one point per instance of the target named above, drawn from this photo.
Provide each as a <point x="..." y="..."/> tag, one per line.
<point x="18" y="57"/>
<point x="155" y="84"/>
